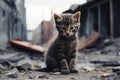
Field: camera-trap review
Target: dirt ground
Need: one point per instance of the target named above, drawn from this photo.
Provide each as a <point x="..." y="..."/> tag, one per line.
<point x="15" y="65"/>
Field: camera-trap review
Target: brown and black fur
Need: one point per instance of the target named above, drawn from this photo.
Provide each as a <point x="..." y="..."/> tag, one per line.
<point x="62" y="53"/>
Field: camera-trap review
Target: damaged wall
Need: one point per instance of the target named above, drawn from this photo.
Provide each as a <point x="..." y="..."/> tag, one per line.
<point x="4" y="17"/>
<point x="43" y="33"/>
<point x="11" y="25"/>
<point x="102" y="16"/>
<point x="22" y="17"/>
<point x="115" y="6"/>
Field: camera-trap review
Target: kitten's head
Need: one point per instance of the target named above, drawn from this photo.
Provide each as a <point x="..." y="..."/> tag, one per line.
<point x="67" y="24"/>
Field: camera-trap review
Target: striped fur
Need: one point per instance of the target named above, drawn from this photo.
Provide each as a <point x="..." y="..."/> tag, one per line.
<point x="61" y="54"/>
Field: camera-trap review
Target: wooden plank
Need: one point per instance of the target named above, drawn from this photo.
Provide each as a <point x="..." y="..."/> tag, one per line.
<point x="22" y="45"/>
<point x="83" y="43"/>
<point x="92" y="38"/>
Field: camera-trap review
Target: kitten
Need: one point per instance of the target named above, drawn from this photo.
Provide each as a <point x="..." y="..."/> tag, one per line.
<point x="62" y="53"/>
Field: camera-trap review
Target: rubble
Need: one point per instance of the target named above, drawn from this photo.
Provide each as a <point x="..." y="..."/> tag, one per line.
<point x="105" y="74"/>
<point x="6" y="65"/>
<point x="72" y="78"/>
<point x="116" y="70"/>
<point x="24" y="67"/>
<point x="2" y="50"/>
<point x="37" y="66"/>
<point x="20" y="69"/>
<point x="94" y="65"/>
<point x="55" y="73"/>
<point x="44" y="76"/>
<point x="31" y="76"/>
<point x="88" y="69"/>
<point x="2" y="67"/>
<point x="106" y="63"/>
<point x="13" y="59"/>
<point x="12" y="75"/>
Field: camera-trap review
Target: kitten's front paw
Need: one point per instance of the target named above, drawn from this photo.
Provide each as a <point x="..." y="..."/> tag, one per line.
<point x="74" y="71"/>
<point x="65" y="72"/>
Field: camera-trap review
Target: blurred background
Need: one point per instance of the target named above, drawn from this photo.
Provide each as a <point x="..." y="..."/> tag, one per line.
<point x="39" y="16"/>
<point x="27" y="26"/>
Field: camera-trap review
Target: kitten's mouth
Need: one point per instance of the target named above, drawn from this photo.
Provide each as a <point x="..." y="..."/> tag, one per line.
<point x="67" y="35"/>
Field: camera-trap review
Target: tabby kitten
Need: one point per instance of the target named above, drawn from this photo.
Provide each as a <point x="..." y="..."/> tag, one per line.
<point x="62" y="53"/>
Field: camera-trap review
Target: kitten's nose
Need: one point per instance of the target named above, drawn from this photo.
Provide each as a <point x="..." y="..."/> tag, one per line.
<point x="67" y="34"/>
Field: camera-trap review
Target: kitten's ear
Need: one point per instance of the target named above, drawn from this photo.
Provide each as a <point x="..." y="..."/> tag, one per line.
<point x="57" y="17"/>
<point x="76" y="16"/>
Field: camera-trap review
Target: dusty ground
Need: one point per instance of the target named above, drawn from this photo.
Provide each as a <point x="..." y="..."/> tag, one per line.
<point x="16" y="65"/>
<point x="87" y="71"/>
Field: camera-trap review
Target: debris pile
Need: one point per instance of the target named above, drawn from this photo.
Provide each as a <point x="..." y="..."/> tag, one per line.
<point x="94" y="63"/>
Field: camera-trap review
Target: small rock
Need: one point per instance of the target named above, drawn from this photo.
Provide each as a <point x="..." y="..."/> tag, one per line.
<point x="20" y="69"/>
<point x="72" y="78"/>
<point x="24" y="67"/>
<point x="56" y="73"/>
<point x="2" y="67"/>
<point x="98" y="52"/>
<point x="118" y="54"/>
<point x="105" y="74"/>
<point x="3" y="50"/>
<point x="5" y="64"/>
<point x="89" y="68"/>
<point x="31" y="76"/>
<point x="12" y="75"/>
<point x="116" y="70"/>
<point x="42" y="59"/>
<point x="44" y="76"/>
<point x="37" y="66"/>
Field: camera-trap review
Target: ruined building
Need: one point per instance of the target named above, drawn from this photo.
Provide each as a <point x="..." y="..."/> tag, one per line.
<point x="12" y="21"/>
<point x="102" y="16"/>
<point x="43" y="33"/>
<point x="22" y="17"/>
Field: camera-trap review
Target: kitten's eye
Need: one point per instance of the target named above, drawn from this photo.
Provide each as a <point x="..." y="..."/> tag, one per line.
<point x="62" y="28"/>
<point x="72" y="28"/>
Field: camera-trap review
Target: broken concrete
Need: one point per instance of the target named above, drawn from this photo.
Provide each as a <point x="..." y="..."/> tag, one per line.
<point x="25" y="66"/>
<point x="87" y="71"/>
<point x="12" y="73"/>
